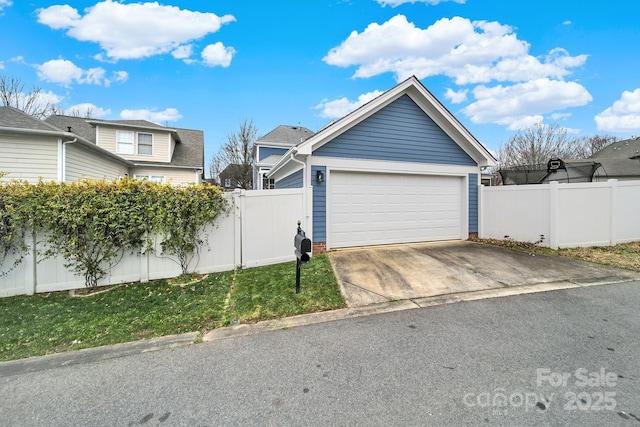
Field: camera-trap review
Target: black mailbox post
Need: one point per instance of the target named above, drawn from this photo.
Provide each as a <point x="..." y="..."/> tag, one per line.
<point x="303" y="247"/>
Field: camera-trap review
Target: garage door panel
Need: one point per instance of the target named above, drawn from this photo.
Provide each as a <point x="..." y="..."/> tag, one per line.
<point x="376" y="208"/>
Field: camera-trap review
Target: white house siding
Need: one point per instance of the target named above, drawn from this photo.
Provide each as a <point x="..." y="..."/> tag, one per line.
<point x="29" y="158"/>
<point x="82" y="162"/>
<point x="161" y="144"/>
<point x="172" y="176"/>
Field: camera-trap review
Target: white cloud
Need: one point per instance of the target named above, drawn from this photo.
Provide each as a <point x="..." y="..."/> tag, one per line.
<point x="509" y="105"/>
<point x="168" y="115"/>
<point x="623" y="115"/>
<point x="88" y="109"/>
<point x="120" y="76"/>
<point x="135" y="30"/>
<point x="396" y="3"/>
<point x="466" y="51"/>
<point x="560" y="116"/>
<point x="65" y="72"/>
<point x="217" y="54"/>
<point x="456" y="97"/>
<point x="183" y="52"/>
<point x="4" y="3"/>
<point x="339" y="108"/>
<point x="59" y="71"/>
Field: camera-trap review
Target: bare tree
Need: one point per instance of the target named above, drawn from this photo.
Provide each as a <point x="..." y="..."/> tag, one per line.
<point x="237" y="152"/>
<point x="12" y="94"/>
<point x="74" y="112"/>
<point x="588" y="145"/>
<point x="536" y="145"/>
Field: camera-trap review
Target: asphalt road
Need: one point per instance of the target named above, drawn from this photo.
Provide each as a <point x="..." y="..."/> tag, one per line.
<point x="569" y="357"/>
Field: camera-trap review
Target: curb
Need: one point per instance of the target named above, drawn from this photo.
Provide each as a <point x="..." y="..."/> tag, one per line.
<point x="89" y="355"/>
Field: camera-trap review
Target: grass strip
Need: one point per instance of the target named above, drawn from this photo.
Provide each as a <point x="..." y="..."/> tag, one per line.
<point x="57" y="322"/>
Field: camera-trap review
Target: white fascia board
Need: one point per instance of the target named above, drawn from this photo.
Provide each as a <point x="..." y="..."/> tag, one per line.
<point x="384" y="166"/>
<point x="286" y="170"/>
<point x="286" y="158"/>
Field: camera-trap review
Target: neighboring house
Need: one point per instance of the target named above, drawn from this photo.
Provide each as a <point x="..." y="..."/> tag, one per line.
<point x="157" y="153"/>
<point x="31" y="149"/>
<point x="620" y="160"/>
<point x="229" y="177"/>
<point x="399" y="169"/>
<point x="268" y="149"/>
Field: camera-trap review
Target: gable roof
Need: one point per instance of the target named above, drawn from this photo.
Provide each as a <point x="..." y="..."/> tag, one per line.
<point x="16" y="121"/>
<point x="423" y="98"/>
<point x="188" y="152"/>
<point x="12" y="118"/>
<point x="285" y="135"/>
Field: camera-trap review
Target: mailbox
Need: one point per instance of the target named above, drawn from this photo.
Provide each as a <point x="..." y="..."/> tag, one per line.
<point x="303" y="247"/>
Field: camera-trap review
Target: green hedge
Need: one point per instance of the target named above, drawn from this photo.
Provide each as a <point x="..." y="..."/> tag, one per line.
<point x="93" y="223"/>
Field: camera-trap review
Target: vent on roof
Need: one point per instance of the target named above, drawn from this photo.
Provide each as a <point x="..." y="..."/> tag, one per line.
<point x="69" y="129"/>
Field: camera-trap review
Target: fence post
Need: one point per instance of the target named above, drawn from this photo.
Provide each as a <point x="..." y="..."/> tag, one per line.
<point x="144" y="264"/>
<point x="480" y="211"/>
<point x="553" y="214"/>
<point x="613" y="210"/>
<point x="237" y="197"/>
<point x="32" y="289"/>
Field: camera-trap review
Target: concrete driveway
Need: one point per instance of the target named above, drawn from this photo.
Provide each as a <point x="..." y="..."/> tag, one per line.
<point x="412" y="271"/>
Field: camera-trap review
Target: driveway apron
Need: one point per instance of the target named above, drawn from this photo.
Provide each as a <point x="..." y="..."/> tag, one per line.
<point x="396" y="272"/>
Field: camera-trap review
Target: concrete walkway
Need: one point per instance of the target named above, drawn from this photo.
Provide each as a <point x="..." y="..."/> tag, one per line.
<point x="380" y="274"/>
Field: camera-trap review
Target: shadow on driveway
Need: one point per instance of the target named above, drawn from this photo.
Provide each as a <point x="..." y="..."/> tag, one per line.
<point x="396" y="272"/>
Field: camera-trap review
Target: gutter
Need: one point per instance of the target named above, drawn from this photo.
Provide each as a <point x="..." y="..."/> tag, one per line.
<point x="64" y="158"/>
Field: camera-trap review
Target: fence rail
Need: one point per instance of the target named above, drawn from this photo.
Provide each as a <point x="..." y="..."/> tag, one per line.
<point x="567" y="215"/>
<point x="258" y="230"/>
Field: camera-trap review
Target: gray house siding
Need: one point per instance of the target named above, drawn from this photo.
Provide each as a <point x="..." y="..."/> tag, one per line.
<point x="473" y="203"/>
<point x="319" y="206"/>
<point x="264" y="152"/>
<point x="295" y="180"/>
<point x="399" y="132"/>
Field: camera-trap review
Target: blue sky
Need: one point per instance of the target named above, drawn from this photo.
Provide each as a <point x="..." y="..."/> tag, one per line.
<point x="497" y="66"/>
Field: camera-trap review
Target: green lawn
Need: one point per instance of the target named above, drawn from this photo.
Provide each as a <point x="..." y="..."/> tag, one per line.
<point x="57" y="322"/>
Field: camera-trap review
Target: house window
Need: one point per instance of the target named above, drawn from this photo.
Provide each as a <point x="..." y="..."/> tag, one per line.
<point x="153" y="178"/>
<point x="145" y="144"/>
<point x="268" y="184"/>
<point x="124" y="142"/>
<point x="227" y="182"/>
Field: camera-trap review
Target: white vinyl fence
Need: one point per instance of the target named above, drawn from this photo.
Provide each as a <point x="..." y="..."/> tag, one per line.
<point x="258" y="230"/>
<point x="567" y="215"/>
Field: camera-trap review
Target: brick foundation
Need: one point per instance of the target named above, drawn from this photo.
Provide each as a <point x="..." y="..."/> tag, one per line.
<point x="319" y="247"/>
<point x="473" y="235"/>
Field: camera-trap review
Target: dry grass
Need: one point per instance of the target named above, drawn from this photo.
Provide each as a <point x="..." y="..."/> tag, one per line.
<point x="625" y="255"/>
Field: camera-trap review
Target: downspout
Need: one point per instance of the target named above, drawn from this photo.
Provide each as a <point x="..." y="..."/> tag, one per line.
<point x="64" y="158"/>
<point x="306" y="193"/>
<point x="304" y="165"/>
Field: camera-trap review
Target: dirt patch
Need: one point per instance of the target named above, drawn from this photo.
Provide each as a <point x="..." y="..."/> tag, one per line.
<point x="624" y="255"/>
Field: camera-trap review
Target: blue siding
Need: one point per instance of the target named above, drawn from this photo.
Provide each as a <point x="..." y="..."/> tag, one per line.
<point x="319" y="205"/>
<point x="473" y="203"/>
<point x="399" y="132"/>
<point x="264" y="152"/>
<point x="295" y="180"/>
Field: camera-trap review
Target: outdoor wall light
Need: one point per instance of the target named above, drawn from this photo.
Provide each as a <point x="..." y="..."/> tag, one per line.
<point x="319" y="177"/>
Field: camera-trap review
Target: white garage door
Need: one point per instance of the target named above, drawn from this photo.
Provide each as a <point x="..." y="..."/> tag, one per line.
<point x="377" y="208"/>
